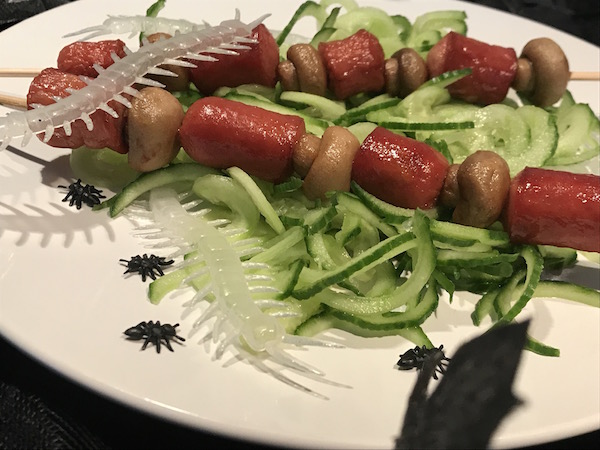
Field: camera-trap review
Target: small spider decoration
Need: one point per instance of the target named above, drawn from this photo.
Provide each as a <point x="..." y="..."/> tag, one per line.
<point x="146" y="266"/>
<point x="154" y="333"/>
<point x="415" y="359"/>
<point x="79" y="194"/>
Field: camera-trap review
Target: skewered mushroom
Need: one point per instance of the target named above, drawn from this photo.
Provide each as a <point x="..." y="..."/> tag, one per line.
<point x="152" y="129"/>
<point x="483" y="181"/>
<point x="312" y="77"/>
<point x="543" y="72"/>
<point x="332" y="167"/>
<point x="405" y="71"/>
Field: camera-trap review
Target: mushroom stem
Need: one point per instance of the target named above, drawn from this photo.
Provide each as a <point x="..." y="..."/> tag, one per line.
<point x="332" y="167"/>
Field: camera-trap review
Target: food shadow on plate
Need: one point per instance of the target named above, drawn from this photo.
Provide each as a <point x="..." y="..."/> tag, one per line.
<point x="29" y="223"/>
<point x="53" y="171"/>
<point x="45" y="220"/>
<point x="582" y="275"/>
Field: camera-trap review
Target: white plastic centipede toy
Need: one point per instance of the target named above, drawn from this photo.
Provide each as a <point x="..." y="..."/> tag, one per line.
<point x="242" y="322"/>
<point x="227" y="38"/>
<point x="137" y="24"/>
<point x="248" y="325"/>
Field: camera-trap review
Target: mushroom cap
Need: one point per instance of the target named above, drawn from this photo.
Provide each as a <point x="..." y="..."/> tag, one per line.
<point x="550" y="71"/>
<point x="412" y="70"/>
<point x="312" y="75"/>
<point x="331" y="169"/>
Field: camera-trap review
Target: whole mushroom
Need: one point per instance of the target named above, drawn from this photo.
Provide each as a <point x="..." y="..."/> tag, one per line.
<point x="152" y="129"/>
<point x="405" y="71"/>
<point x="543" y="72"/>
<point x="483" y="181"/>
<point x="332" y="167"/>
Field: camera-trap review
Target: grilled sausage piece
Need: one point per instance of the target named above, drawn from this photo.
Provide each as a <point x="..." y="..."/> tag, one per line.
<point x="399" y="170"/>
<point x="222" y="133"/>
<point x="107" y="131"/>
<point x="552" y="207"/>
<point x="493" y="67"/>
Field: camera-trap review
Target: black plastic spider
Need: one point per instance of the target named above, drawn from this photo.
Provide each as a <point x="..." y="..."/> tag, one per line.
<point x="79" y="194"/>
<point x="146" y="266"/>
<point x="154" y="333"/>
<point x="415" y="359"/>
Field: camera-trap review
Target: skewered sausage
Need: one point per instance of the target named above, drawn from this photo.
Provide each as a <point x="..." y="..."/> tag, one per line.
<point x="107" y="130"/>
<point x="553" y="207"/>
<point x="256" y="65"/>
<point x="79" y="57"/>
<point x="493" y="68"/>
<point x="354" y="64"/>
<point x="223" y="133"/>
<point x="400" y="170"/>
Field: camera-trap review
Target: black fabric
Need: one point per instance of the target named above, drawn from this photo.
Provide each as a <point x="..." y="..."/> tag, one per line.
<point x="40" y="409"/>
<point x="13" y="11"/>
<point x="27" y="422"/>
<point x="580" y="18"/>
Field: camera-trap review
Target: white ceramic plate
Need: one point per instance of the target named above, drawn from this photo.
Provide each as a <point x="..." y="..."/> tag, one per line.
<point x="64" y="300"/>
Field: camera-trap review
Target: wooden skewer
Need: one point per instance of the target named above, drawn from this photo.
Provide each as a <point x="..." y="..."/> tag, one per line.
<point x="591" y="76"/>
<point x="19" y="72"/>
<point x="32" y="72"/>
<point x="13" y="101"/>
<point x="20" y="102"/>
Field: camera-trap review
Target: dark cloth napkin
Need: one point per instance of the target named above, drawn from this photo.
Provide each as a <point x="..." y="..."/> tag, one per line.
<point x="40" y="409"/>
<point x="13" y="11"/>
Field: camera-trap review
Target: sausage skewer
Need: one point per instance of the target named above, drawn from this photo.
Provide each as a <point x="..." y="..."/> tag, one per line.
<point x="355" y="65"/>
<point x="360" y="162"/>
<point x="538" y="206"/>
<point x="21" y="102"/>
<point x="197" y="143"/>
<point x="26" y="72"/>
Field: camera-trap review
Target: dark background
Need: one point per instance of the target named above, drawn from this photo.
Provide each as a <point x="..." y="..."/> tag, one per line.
<point x="41" y="409"/>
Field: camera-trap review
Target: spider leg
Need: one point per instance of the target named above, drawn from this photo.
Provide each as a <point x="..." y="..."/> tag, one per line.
<point x="167" y="343"/>
<point x="148" y="338"/>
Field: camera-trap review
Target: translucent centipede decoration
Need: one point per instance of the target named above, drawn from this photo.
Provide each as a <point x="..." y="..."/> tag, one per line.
<point x="238" y="319"/>
<point x="116" y="81"/>
<point x="138" y="24"/>
<point x="241" y="322"/>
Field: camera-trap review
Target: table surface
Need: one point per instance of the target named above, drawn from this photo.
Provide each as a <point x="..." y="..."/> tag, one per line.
<point x="102" y="423"/>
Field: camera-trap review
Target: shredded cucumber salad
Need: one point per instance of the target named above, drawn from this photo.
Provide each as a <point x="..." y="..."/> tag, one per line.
<point x="355" y="262"/>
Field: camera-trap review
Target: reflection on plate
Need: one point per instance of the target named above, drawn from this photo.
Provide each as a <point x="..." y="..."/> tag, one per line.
<point x="59" y="270"/>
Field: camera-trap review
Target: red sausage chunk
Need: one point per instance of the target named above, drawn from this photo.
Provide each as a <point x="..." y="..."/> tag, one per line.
<point x="221" y="133"/>
<point x="107" y="131"/>
<point x="257" y="65"/>
<point x="493" y="68"/>
<point x="354" y="65"/>
<point x="554" y="208"/>
<point x="79" y="58"/>
<point x="399" y="170"/>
